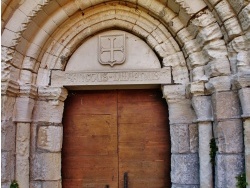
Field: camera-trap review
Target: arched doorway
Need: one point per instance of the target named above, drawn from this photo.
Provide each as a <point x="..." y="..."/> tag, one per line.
<point x="115" y="134"/>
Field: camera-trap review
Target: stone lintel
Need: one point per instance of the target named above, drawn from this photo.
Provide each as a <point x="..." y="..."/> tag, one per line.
<point x="112" y="77"/>
<point x="52" y="93"/>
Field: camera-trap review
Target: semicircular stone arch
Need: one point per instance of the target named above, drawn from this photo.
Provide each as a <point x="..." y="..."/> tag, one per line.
<point x="204" y="43"/>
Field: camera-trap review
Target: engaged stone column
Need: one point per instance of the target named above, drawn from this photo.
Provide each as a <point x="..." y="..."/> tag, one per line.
<point x="46" y="137"/>
<point x="184" y="138"/>
<point x="23" y="116"/>
<point x="203" y="108"/>
<point x="245" y="104"/>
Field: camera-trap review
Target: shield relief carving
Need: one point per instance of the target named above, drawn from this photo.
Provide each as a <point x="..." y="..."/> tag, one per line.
<point x="111" y="49"/>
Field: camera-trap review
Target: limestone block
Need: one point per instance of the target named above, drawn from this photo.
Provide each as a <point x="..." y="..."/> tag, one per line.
<point x="34" y="50"/>
<point x="247" y="164"/>
<point x="238" y="44"/>
<point x="165" y="49"/>
<point x="244" y="17"/>
<point x="5" y="185"/>
<point x="29" y="63"/>
<point x="54" y="184"/>
<point x="173" y="6"/>
<point x="8" y="134"/>
<point x="211" y="32"/>
<point x="8" y="38"/>
<point x="173" y="92"/>
<point x="219" y="83"/>
<point x="196" y="88"/>
<point x="43" y="77"/>
<point x="193" y="138"/>
<point x="48" y="111"/>
<point x="168" y="14"/>
<point x="230" y="136"/>
<point x="232" y="27"/>
<point x="205" y="135"/>
<point x="36" y="184"/>
<point x="175" y="25"/>
<point x="183" y="36"/>
<point x="179" y="138"/>
<point x="180" y="111"/>
<point x="218" y="67"/>
<point x="203" y="108"/>
<point x="204" y="19"/>
<point x="26" y="77"/>
<point x="198" y="74"/>
<point x="7" y="106"/>
<point x="7" y="166"/>
<point x="237" y="4"/>
<point x="174" y="60"/>
<point x="224" y="10"/>
<point x="184" y="186"/>
<point x="192" y="7"/>
<point x="23" y="109"/>
<point x="215" y="49"/>
<point x="180" y="75"/>
<point x="50" y="138"/>
<point x="17" y="59"/>
<point x="241" y="80"/>
<point x="52" y="93"/>
<point x="9" y="88"/>
<point x="197" y="59"/>
<point x="192" y="46"/>
<point x="226" y="105"/>
<point x="193" y="28"/>
<point x="46" y="166"/>
<point x="244" y="94"/>
<point x="9" y="72"/>
<point x="227" y="168"/>
<point x="243" y="63"/>
<point x="247" y="136"/>
<point x="185" y="169"/>
<point x="14" y="24"/>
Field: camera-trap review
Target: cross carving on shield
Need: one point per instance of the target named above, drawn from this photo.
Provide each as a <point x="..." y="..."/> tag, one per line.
<point x="112" y="49"/>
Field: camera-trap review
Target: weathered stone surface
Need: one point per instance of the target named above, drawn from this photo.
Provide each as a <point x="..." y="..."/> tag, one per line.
<point x="8" y="132"/>
<point x="196" y="88"/>
<point x="193" y="138"/>
<point x="179" y="138"/>
<point x="9" y="72"/>
<point x="232" y="27"/>
<point x="54" y="184"/>
<point x="48" y="111"/>
<point x="22" y="154"/>
<point x="197" y="59"/>
<point x="23" y="109"/>
<point x="198" y="74"/>
<point x="244" y="94"/>
<point x="185" y="169"/>
<point x="36" y="184"/>
<point x="218" y="67"/>
<point x="52" y="93"/>
<point x="180" y="75"/>
<point x="237" y="4"/>
<point x="50" y="138"/>
<point x="241" y="80"/>
<point x="43" y="77"/>
<point x="203" y="108"/>
<point x="26" y="77"/>
<point x="227" y="168"/>
<point x="7" y="106"/>
<point x="219" y="83"/>
<point x="244" y="17"/>
<point x="7" y="166"/>
<point x="230" y="136"/>
<point x="247" y="136"/>
<point x="173" y="92"/>
<point x="192" y="46"/>
<point x="205" y="136"/>
<point x="226" y="105"/>
<point x="173" y="60"/>
<point x="184" y="186"/>
<point x="180" y="111"/>
<point x="243" y="64"/>
<point x="224" y="10"/>
<point x="215" y="49"/>
<point x="46" y="166"/>
<point x="247" y="165"/>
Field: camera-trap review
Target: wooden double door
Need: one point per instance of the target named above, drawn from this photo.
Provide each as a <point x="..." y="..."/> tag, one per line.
<point x="113" y="132"/>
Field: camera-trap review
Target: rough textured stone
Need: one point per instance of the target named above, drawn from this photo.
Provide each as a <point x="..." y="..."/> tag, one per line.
<point x="173" y="92"/>
<point x="23" y="109"/>
<point x="226" y="105"/>
<point x="244" y="94"/>
<point x="196" y="88"/>
<point x="7" y="106"/>
<point x="215" y="49"/>
<point x="247" y="136"/>
<point x="193" y="138"/>
<point x="50" y="138"/>
<point x="7" y="166"/>
<point x="233" y="28"/>
<point x="184" y="186"/>
<point x="180" y="111"/>
<point x="8" y="133"/>
<point x="244" y="17"/>
<point x="180" y="75"/>
<point x="199" y="74"/>
<point x="227" y="168"/>
<point x="46" y="166"/>
<point x="185" y="169"/>
<point x="48" y="111"/>
<point x="224" y="10"/>
<point x="54" y="184"/>
<point x="230" y="136"/>
<point x="218" y="67"/>
<point x="197" y="59"/>
<point x="43" y="77"/>
<point x="179" y="138"/>
<point x="205" y="136"/>
<point x="203" y="108"/>
<point x="219" y="83"/>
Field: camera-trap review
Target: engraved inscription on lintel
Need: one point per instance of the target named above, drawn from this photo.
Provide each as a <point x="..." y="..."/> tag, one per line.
<point x="112" y="49"/>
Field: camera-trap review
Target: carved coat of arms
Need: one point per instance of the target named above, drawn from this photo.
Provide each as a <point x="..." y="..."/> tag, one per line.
<point x="112" y="49"/>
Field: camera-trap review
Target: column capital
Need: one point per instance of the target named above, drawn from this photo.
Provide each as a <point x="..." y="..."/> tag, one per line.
<point x="52" y="93"/>
<point x="203" y="108"/>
